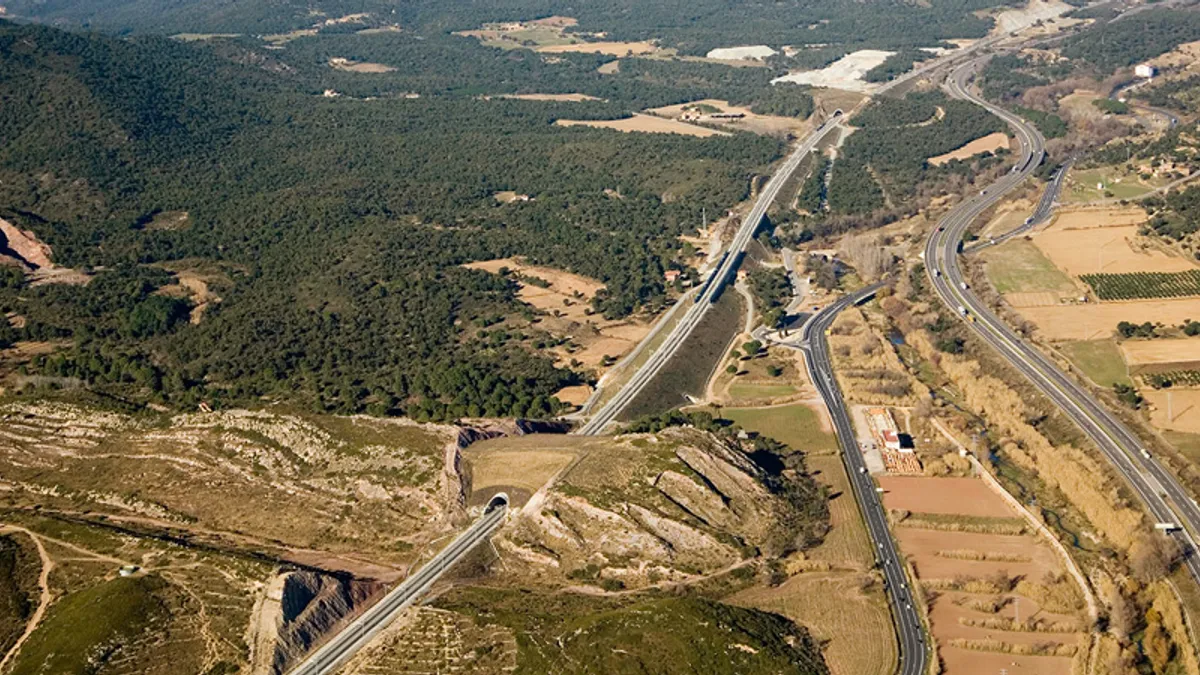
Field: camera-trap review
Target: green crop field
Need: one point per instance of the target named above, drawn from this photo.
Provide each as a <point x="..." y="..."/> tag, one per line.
<point x="1100" y="360"/>
<point x="1019" y="267"/>
<point x="1135" y="285"/>
<point x="796" y="425"/>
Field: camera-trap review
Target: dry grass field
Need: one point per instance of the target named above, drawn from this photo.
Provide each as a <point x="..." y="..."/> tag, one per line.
<point x="1113" y="250"/>
<point x="518" y="465"/>
<point x="1083" y="219"/>
<point x="842" y="601"/>
<point x="1093" y="321"/>
<point x="1180" y="413"/>
<point x="971" y="613"/>
<point x="1160" y="352"/>
<point x="854" y="623"/>
<point x="988" y="144"/>
<point x="646" y="124"/>
<point x="846" y="544"/>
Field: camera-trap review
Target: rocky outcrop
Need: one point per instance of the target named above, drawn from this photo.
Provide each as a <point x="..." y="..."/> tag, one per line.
<point x="698" y="500"/>
<point x="688" y="546"/>
<point x="738" y="481"/>
<point x="669" y="506"/>
<point x="312" y="605"/>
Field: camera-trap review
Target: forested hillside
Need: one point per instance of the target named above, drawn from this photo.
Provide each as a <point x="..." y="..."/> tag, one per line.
<point x="694" y="26"/>
<point x="339" y="225"/>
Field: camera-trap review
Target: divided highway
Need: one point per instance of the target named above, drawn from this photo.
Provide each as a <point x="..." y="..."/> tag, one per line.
<point x="346" y="643"/>
<point x="914" y="652"/>
<point x="1166" y="500"/>
<point x="712" y="287"/>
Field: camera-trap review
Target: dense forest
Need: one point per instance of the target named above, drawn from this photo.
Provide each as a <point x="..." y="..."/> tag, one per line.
<point x="1133" y="39"/>
<point x="339" y="225"/>
<point x="693" y="27"/>
<point x="890" y="149"/>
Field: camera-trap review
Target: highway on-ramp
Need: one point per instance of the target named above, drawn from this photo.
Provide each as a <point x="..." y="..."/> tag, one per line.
<point x="345" y="643"/>
<point x="1164" y="497"/>
<point x="914" y="651"/>
<point x="712" y="288"/>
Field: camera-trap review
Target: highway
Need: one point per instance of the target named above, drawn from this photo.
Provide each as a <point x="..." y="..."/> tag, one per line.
<point x="346" y="643"/>
<point x="1041" y="213"/>
<point x="914" y="652"/>
<point x="1165" y="499"/>
<point x="712" y="286"/>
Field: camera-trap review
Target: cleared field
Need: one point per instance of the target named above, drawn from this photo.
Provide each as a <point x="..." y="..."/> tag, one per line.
<point x="1084" y="219"/>
<point x="610" y="48"/>
<point x="988" y="144"/>
<point x="1042" y="299"/>
<point x="1175" y="409"/>
<point x="1111" y="250"/>
<point x="750" y="121"/>
<point x="551" y="97"/>
<point x="952" y="562"/>
<point x="959" y="496"/>
<point x="796" y="424"/>
<point x="1160" y="352"/>
<point x="854" y="624"/>
<point x="1100" y="360"/>
<point x="928" y="548"/>
<point x="1018" y="266"/>
<point x="1094" y="321"/>
<point x="646" y="124"/>
<point x="349" y="66"/>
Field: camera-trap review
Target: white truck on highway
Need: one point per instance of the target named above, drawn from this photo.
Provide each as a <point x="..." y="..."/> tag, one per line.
<point x="1145" y="453"/>
<point x="1166" y="527"/>
<point x="962" y="310"/>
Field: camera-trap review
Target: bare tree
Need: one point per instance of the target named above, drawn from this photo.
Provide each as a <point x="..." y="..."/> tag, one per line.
<point x="867" y="255"/>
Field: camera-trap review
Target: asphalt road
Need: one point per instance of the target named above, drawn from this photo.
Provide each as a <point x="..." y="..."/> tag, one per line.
<point x="346" y="643"/>
<point x="1164" y="497"/>
<point x="914" y="651"/>
<point x="1041" y="213"/>
<point x="712" y="289"/>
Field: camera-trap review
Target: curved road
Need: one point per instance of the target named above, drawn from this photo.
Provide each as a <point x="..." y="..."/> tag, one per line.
<point x="712" y="287"/>
<point x="914" y="653"/>
<point x="1164" y="497"/>
<point x="346" y="643"/>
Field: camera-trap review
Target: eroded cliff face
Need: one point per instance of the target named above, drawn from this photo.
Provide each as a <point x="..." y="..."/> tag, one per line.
<point x="664" y="507"/>
<point x="302" y="607"/>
